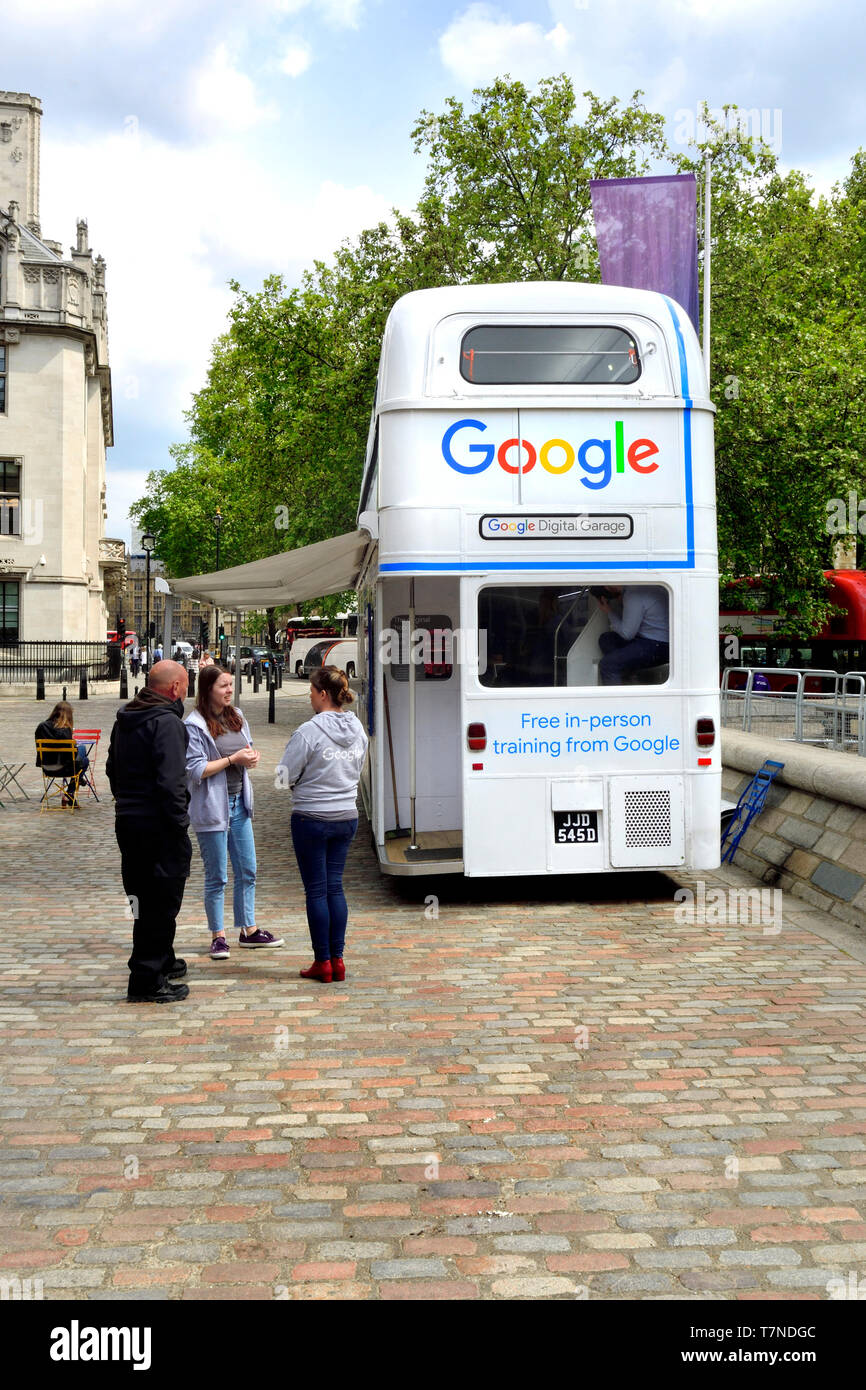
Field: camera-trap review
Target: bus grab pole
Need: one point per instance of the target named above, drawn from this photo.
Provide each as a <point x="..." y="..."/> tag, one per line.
<point x="412" y="673"/>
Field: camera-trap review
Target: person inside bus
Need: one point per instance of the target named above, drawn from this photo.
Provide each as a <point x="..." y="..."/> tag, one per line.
<point x="639" y="635"/>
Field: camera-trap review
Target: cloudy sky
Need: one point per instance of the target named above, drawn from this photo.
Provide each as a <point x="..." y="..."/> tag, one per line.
<point x="211" y="139"/>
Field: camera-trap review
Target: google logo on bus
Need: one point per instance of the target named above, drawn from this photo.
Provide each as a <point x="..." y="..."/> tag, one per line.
<point x="599" y="458"/>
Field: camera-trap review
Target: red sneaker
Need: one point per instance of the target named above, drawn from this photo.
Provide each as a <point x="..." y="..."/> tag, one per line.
<point x="319" y="970"/>
<point x="338" y="969"/>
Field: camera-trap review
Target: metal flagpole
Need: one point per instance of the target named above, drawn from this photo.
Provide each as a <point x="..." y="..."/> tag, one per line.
<point x="412" y="674"/>
<point x="707" y="242"/>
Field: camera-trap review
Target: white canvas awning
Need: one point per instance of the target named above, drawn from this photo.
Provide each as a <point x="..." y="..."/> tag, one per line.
<point x="328" y="567"/>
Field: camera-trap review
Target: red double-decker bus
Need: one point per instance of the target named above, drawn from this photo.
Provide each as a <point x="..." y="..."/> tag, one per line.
<point x="749" y="638"/>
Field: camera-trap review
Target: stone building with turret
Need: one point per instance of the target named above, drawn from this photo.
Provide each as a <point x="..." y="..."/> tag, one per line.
<point x="60" y="577"/>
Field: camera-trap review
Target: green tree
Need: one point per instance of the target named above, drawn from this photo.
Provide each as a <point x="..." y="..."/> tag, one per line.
<point x="279" y="430"/>
<point x="507" y="193"/>
<point x="788" y="337"/>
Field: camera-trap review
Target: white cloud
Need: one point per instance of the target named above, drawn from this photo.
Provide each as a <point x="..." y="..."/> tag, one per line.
<point x="127" y="20"/>
<point x="222" y="97"/>
<point x="340" y="14"/>
<point x="173" y="225"/>
<point x="123" y="486"/>
<point x="296" y="58"/>
<point x="483" y="43"/>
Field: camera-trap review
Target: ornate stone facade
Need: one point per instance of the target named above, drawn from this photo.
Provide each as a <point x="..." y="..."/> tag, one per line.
<point x="55" y="411"/>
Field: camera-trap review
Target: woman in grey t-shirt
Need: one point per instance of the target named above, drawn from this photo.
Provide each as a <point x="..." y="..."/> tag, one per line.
<point x="218" y="758"/>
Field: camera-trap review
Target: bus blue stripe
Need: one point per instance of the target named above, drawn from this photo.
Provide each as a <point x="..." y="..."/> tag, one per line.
<point x="482" y="567"/>
<point x="687" y="433"/>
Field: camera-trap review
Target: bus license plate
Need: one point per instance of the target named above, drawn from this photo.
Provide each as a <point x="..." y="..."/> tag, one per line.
<point x="575" y="827"/>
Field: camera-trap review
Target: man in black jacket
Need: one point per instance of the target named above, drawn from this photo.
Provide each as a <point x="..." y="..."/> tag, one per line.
<point x="146" y="769"/>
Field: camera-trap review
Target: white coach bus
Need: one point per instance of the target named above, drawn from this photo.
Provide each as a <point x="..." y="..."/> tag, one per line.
<point x="540" y="495"/>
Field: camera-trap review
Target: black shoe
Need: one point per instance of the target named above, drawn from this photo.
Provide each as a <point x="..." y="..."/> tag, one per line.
<point x="166" y="994"/>
<point x="177" y="971"/>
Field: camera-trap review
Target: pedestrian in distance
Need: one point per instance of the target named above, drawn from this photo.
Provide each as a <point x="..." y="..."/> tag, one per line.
<point x="157" y="653"/>
<point x="323" y="762"/>
<point x="60" y="725"/>
<point x="205" y="660"/>
<point x="218" y="762"/>
<point x="135" y="658"/>
<point x="146" y="770"/>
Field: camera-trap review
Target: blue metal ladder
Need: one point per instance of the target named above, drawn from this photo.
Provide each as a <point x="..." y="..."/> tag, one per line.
<point x="750" y="804"/>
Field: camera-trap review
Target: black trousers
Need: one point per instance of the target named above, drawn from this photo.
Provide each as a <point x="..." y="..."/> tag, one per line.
<point x="155" y="859"/>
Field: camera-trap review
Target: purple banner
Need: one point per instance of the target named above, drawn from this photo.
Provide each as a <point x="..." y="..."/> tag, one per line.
<point x="647" y="235"/>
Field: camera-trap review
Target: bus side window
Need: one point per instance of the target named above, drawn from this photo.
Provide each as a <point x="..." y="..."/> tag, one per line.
<point x="430" y="647"/>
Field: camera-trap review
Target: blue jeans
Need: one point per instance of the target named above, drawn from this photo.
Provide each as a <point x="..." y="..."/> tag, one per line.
<point x="622" y="656"/>
<point x="321" y="847"/>
<point x="216" y="846"/>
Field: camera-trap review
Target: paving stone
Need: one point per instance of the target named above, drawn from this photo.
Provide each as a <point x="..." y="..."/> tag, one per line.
<point x="408" y="1269"/>
<point x="189" y="1157"/>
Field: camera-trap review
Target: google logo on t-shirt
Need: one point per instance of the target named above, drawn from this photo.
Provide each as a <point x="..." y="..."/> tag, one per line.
<point x="598" y="458"/>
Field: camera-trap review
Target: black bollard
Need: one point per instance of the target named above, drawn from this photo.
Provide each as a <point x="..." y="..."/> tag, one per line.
<point x="82" y="682"/>
<point x="191" y="686"/>
<point x="279" y="678"/>
<point x="40" y="683"/>
<point x="272" y="710"/>
<point x="124" y="684"/>
<point x="64" y="694"/>
<point x="255" y="678"/>
<point x="135" y="690"/>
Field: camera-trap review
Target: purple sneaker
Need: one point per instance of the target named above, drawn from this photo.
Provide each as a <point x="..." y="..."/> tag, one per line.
<point x="259" y="938"/>
<point x="219" y="948"/>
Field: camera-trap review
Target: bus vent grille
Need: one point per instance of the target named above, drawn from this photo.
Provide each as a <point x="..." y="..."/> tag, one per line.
<point x="647" y="818"/>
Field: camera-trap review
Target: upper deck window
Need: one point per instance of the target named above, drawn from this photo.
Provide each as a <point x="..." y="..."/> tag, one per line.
<point x="499" y="355"/>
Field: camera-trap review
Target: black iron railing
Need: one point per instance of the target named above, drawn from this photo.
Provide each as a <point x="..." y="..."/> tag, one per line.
<point x="60" y="661"/>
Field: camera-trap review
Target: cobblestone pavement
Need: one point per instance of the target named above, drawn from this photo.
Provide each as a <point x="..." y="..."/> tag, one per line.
<point x="551" y="1090"/>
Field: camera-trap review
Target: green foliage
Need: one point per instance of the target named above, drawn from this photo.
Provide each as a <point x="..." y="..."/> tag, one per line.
<point x="507" y="192"/>
<point x="787" y="356"/>
<point x="279" y="430"/>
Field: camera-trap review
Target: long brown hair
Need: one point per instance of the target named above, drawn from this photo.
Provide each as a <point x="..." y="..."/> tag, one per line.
<point x="229" y="718"/>
<point x="334" y="682"/>
<point x="61" y="716"/>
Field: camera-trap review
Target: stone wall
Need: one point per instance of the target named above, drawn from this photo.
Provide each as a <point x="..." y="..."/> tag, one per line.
<point x="810" y="839"/>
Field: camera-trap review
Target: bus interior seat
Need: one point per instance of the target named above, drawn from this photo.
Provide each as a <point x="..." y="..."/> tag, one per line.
<point x="648" y="675"/>
<point x="584" y="654"/>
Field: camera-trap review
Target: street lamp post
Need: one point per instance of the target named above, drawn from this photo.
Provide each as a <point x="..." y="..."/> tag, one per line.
<point x="217" y="521"/>
<point x="149" y="542"/>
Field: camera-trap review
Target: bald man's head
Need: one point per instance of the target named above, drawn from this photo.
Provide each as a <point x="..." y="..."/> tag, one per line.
<point x="169" y="678"/>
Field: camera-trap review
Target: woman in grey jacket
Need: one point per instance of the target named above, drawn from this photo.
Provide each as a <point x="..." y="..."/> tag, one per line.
<point x="323" y="761"/>
<point x="219" y="754"/>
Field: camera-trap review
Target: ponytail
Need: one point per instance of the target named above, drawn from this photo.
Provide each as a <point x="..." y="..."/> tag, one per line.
<point x="334" y="683"/>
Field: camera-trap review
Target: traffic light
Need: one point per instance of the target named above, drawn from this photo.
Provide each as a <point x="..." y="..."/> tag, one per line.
<point x="152" y="630"/>
<point x="121" y="629"/>
<point x="202" y="632"/>
<point x="222" y="632"/>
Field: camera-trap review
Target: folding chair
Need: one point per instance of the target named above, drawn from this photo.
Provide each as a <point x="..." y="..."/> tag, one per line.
<point x="9" y="780"/>
<point x="750" y="804"/>
<point x="91" y="738"/>
<point x="59" y="787"/>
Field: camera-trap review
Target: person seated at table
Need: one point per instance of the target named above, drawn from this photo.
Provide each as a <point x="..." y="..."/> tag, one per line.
<point x="59" y="725"/>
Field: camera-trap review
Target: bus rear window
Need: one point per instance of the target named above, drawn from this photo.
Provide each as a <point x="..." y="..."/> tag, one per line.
<point x="501" y="355"/>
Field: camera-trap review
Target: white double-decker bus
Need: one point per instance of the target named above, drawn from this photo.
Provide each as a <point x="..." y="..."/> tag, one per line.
<point x="538" y="608"/>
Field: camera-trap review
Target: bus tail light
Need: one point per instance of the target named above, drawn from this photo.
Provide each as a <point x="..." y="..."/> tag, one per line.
<point x="476" y="737"/>
<point x="706" y="733"/>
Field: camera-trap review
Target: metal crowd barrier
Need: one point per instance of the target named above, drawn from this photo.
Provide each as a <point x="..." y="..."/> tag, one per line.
<point x="824" y="708"/>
